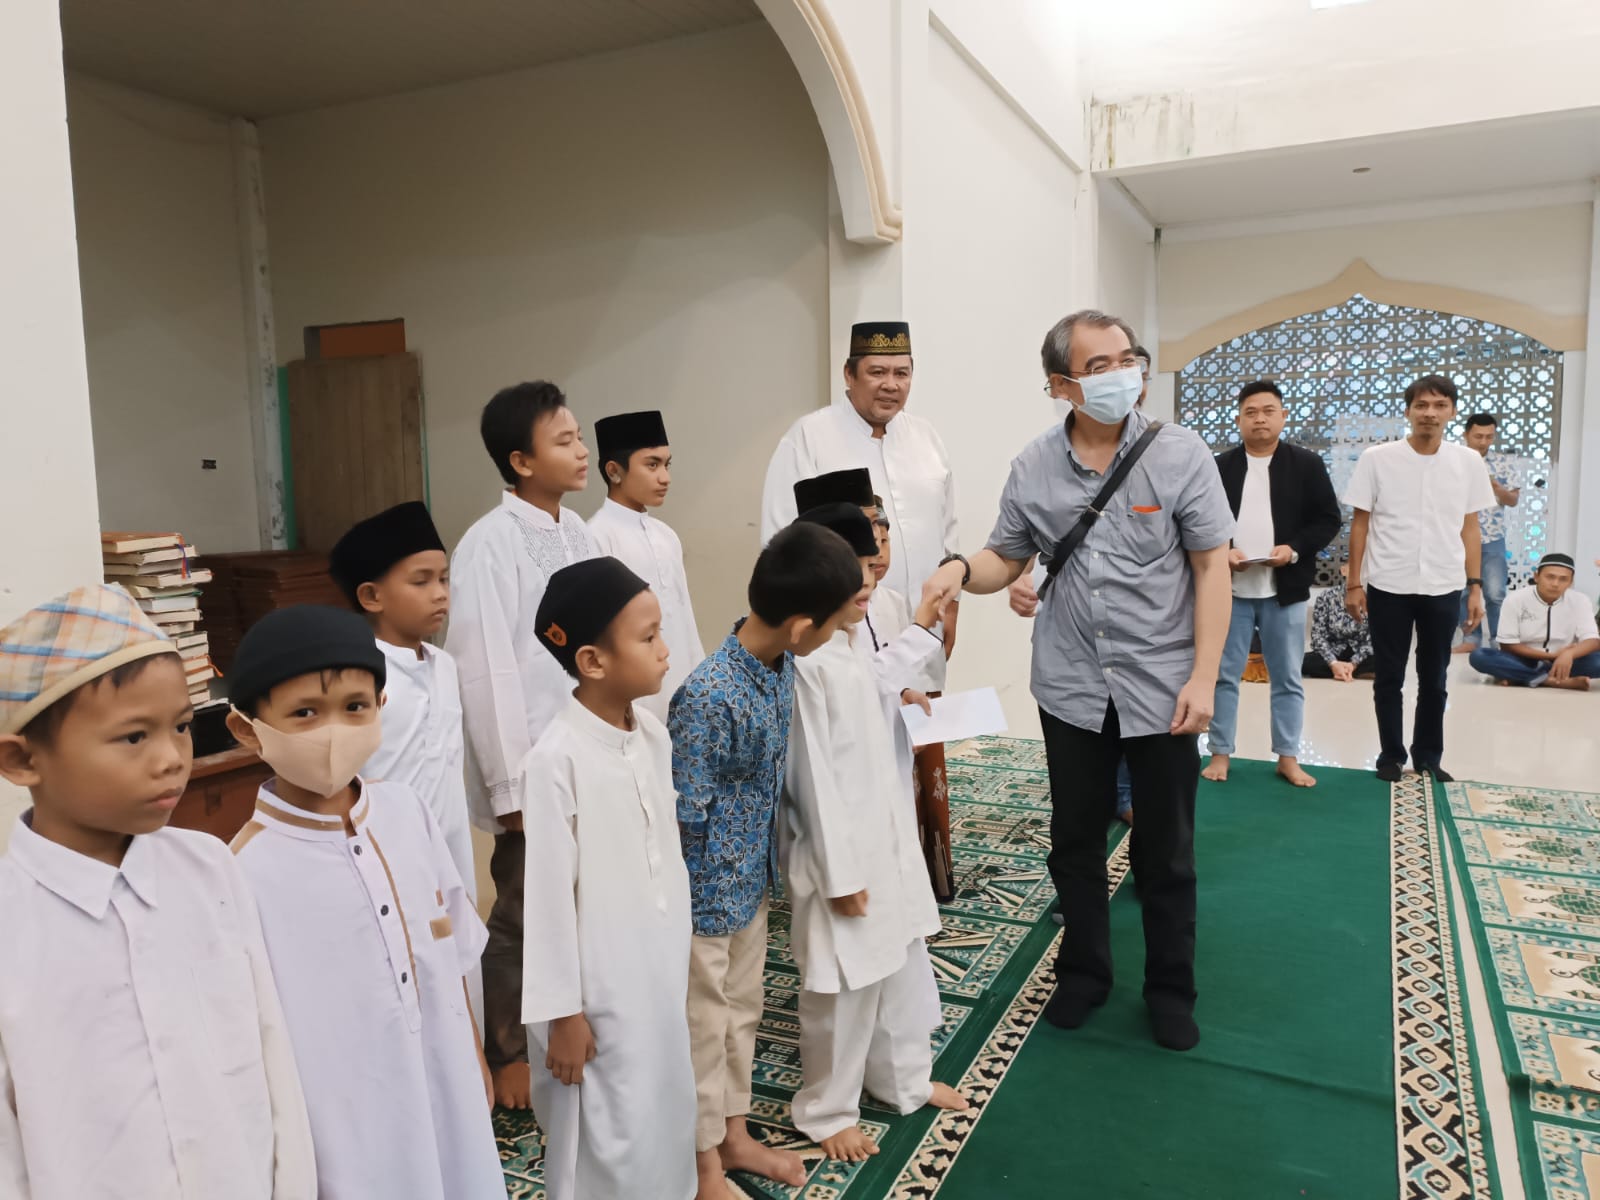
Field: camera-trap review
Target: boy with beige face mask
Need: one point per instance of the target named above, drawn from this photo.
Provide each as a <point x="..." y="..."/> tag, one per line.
<point x="367" y="923"/>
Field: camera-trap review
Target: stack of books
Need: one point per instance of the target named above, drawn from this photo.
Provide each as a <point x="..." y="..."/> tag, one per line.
<point x="160" y="572"/>
<point x="251" y="584"/>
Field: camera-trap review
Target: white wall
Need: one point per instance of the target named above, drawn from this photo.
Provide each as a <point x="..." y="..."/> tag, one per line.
<point x="989" y="264"/>
<point x="49" y="538"/>
<point x="1176" y="79"/>
<point x="648" y="229"/>
<point x="162" y="315"/>
<point x="1534" y="256"/>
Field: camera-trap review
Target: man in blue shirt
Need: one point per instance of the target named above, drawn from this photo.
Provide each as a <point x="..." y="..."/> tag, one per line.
<point x="730" y="743"/>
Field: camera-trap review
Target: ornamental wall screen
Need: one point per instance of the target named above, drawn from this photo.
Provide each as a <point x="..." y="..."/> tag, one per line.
<point x="1344" y="372"/>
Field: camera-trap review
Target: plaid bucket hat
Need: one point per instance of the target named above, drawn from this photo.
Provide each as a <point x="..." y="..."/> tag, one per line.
<point x="62" y="644"/>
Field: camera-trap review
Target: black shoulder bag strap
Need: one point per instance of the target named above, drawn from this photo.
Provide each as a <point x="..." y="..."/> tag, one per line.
<point x="1064" y="548"/>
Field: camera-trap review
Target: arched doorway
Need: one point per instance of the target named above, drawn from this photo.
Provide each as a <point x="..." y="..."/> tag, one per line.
<point x="1344" y="370"/>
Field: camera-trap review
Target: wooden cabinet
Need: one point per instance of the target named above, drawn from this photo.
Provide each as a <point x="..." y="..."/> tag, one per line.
<point x="222" y="793"/>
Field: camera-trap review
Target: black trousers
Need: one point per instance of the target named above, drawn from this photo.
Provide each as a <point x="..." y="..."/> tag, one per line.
<point x="1392" y="619"/>
<point x="1083" y="789"/>
<point x="1316" y="667"/>
<point x="505" y="1037"/>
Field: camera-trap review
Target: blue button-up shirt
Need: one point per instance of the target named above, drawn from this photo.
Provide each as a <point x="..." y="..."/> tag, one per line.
<point x="730" y="744"/>
<point x="1118" y="623"/>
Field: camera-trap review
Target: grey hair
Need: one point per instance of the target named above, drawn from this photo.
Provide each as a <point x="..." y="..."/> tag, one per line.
<point x="1057" y="351"/>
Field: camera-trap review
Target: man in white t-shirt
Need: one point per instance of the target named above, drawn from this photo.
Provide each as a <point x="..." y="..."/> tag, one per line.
<point x="1286" y="512"/>
<point x="1548" y="636"/>
<point x="1414" y="545"/>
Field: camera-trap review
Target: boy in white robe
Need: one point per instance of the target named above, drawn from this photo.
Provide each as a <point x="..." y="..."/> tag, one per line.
<point x="143" y="1049"/>
<point x="637" y="461"/>
<point x="394" y="569"/>
<point x="607" y="904"/>
<point x="510" y="688"/>
<point x="862" y="904"/>
<point x="367" y="923"/>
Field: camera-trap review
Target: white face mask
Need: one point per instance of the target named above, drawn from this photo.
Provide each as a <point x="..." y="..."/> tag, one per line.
<point x="1111" y="396"/>
<point x="323" y="761"/>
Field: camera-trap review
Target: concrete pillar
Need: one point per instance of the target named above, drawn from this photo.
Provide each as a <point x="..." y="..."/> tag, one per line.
<point x="49" y="538"/>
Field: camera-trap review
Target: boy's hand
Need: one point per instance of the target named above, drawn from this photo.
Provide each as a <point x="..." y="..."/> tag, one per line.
<point x="927" y="614"/>
<point x="571" y="1046"/>
<point x="912" y="696"/>
<point x="850" y="906"/>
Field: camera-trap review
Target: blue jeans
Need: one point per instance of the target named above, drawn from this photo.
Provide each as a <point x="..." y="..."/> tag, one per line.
<point x="1496" y="571"/>
<point x="1283" y="645"/>
<point x="1124" y="789"/>
<point x="1502" y="664"/>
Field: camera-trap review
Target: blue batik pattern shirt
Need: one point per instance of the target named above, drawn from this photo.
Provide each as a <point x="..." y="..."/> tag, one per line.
<point x="730" y="744"/>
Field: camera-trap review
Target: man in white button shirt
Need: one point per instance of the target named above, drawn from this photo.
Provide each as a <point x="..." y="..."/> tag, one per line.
<point x="870" y="427"/>
<point x="637" y="461"/>
<point x="1414" y="545"/>
<point x="1548" y="636"/>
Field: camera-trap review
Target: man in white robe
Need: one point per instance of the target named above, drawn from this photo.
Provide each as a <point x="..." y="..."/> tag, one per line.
<point x="607" y="902"/>
<point x="910" y="470"/>
<point x="637" y="461"/>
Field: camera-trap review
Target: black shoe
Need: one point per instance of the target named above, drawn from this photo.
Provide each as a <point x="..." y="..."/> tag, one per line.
<point x="1389" y="772"/>
<point x="1439" y="773"/>
<point x="1069" y="1010"/>
<point x="1174" y="1030"/>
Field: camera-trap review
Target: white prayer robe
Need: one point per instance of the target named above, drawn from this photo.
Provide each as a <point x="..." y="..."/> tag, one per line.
<point x="889" y="614"/>
<point x="910" y="473"/>
<point x="143" y="1050"/>
<point x="849" y="824"/>
<point x="511" y="686"/>
<point x="371" y="936"/>
<point x="424" y="747"/>
<point x="651" y="550"/>
<point x="606" y="933"/>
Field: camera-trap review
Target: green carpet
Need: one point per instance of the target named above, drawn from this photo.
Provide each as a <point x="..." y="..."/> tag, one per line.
<point x="1290" y="1093"/>
<point x="1529" y="864"/>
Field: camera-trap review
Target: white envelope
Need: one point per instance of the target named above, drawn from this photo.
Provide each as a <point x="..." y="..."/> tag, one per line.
<point x="955" y="717"/>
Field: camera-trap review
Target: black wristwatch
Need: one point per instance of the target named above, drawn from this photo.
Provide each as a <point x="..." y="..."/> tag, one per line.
<point x="966" y="567"/>
<point x="1470" y="582"/>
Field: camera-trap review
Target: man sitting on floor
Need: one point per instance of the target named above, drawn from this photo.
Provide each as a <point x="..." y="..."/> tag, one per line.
<point x="1341" y="645"/>
<point x="1548" y="636"/>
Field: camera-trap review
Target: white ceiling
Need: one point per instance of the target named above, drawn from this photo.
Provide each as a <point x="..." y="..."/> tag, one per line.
<point x="260" y="58"/>
<point x="1436" y="164"/>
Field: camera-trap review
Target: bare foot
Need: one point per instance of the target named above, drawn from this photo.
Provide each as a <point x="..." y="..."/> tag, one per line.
<point x="1126" y="817"/>
<point x="1290" y="769"/>
<point x="1217" y="769"/>
<point x="946" y="1097"/>
<point x="513" y="1085"/>
<point x="849" y="1145"/>
<point x="1577" y="683"/>
<point x="741" y="1152"/>
<point x="713" y="1184"/>
<point x="1463" y="648"/>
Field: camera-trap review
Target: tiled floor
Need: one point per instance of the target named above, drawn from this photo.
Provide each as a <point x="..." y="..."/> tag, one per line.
<point x="1539" y="737"/>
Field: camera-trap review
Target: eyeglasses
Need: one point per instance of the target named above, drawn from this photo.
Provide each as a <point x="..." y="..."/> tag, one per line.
<point x="1101" y="368"/>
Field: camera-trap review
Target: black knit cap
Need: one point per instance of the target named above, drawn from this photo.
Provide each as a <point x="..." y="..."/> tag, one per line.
<point x="850" y="486"/>
<point x="849" y="522"/>
<point x="579" y="604"/>
<point x="371" y="547"/>
<point x="616" y="438"/>
<point x="299" y="640"/>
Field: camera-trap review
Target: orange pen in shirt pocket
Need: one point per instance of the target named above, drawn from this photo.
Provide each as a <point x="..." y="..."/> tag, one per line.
<point x="1147" y="508"/>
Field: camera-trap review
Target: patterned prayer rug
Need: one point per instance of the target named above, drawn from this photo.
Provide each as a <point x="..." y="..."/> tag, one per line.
<point x="993" y="964"/>
<point x="1529" y="861"/>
